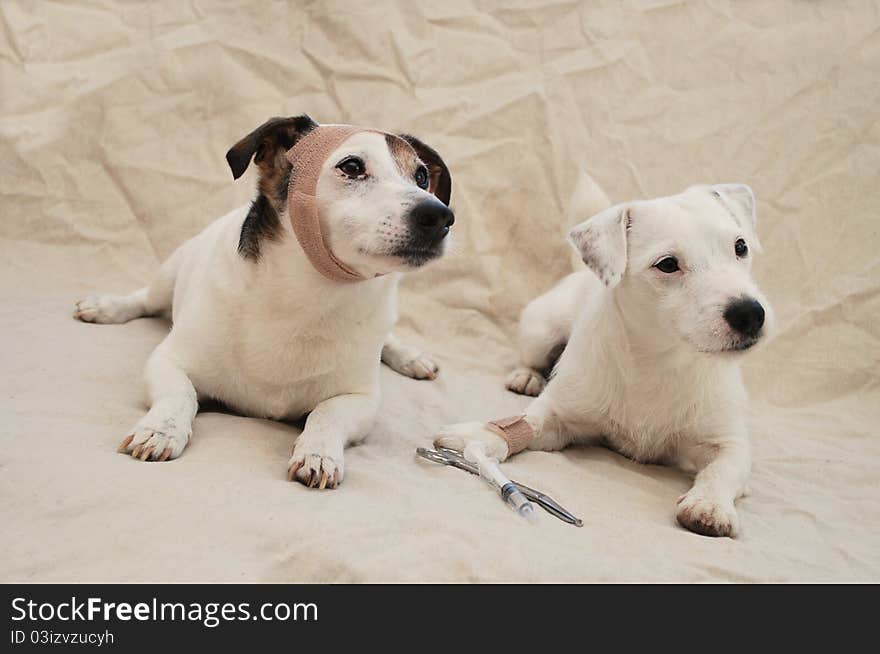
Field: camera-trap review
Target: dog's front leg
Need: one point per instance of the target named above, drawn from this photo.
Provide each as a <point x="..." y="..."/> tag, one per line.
<point x="723" y="469"/>
<point x="407" y="360"/>
<point x="166" y="429"/>
<point x="317" y="459"/>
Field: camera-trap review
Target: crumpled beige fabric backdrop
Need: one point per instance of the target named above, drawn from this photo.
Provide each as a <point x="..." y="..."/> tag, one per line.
<point x="114" y="122"/>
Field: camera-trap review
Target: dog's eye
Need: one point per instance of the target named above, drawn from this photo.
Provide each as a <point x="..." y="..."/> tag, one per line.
<point x="667" y="265"/>
<point x="740" y="248"/>
<point x="352" y="166"/>
<point x="422" y="177"/>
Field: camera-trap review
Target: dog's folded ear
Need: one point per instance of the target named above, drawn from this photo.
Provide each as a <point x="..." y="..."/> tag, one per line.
<point x="601" y="242"/>
<point x="740" y="201"/>
<point x="276" y="134"/>
<point x="439" y="179"/>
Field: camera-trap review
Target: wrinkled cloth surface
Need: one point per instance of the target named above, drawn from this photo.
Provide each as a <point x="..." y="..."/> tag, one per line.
<point x="114" y="121"/>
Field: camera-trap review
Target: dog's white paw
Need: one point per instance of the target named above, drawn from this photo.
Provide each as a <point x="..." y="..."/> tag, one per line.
<point x="157" y="439"/>
<point x="462" y="434"/>
<point x="526" y="381"/>
<point x="707" y="516"/>
<point x="106" y="309"/>
<point x="316" y="462"/>
<point x="408" y="360"/>
<point x="420" y="366"/>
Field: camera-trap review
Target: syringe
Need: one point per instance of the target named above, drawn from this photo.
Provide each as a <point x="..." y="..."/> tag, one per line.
<point x="491" y="472"/>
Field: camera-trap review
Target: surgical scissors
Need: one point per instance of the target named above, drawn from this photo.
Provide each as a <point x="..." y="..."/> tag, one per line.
<point x="448" y="457"/>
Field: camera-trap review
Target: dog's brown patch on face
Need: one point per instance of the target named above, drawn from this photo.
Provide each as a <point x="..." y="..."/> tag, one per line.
<point x="262" y="222"/>
<point x="404" y="155"/>
<point x="439" y="179"/>
<point x="260" y="225"/>
<point x="267" y="145"/>
<point x="275" y="178"/>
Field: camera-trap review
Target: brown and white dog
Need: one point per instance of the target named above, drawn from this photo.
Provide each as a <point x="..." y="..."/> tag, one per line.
<point x="278" y="321"/>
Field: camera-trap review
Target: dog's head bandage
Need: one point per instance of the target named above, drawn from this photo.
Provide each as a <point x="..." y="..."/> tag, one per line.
<point x="515" y="430"/>
<point x="307" y="157"/>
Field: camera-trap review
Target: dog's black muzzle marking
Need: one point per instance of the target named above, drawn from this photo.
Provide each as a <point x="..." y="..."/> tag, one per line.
<point x="746" y="317"/>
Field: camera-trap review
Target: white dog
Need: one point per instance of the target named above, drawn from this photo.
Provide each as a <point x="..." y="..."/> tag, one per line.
<point x="257" y="326"/>
<point x="652" y="334"/>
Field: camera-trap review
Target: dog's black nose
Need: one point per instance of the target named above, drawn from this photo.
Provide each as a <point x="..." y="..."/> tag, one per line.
<point x="746" y="316"/>
<point x="432" y="218"/>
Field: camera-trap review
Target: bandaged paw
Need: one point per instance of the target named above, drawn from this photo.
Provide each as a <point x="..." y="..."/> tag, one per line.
<point x="462" y="434"/>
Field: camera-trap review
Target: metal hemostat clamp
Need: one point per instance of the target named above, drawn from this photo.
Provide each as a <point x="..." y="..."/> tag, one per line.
<point x="448" y="457"/>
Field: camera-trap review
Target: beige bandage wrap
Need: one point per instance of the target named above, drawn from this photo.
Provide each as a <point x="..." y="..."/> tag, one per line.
<point x="307" y="158"/>
<point x="515" y="430"/>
